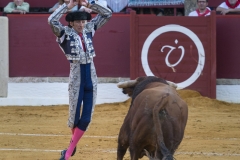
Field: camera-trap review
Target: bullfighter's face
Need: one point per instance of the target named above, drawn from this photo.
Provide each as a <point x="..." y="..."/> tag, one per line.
<point x="78" y="25"/>
<point x="202" y="4"/>
<point x="18" y="2"/>
<point x="232" y="2"/>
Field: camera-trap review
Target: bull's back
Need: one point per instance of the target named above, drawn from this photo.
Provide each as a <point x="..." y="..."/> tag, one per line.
<point x="145" y="102"/>
<point x="154" y="93"/>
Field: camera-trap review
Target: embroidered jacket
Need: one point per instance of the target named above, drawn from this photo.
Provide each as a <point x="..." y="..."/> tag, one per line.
<point x="69" y="40"/>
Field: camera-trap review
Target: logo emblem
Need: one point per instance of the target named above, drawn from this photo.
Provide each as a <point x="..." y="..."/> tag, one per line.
<point x="185" y="31"/>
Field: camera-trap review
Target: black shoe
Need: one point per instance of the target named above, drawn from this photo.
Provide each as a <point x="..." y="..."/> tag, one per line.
<point x="63" y="155"/>
<point x="63" y="152"/>
<point x="74" y="151"/>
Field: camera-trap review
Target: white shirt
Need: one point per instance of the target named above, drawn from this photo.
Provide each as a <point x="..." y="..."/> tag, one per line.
<point x="195" y="14"/>
<point x="224" y="5"/>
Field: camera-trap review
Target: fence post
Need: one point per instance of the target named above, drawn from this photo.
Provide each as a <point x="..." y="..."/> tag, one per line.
<point x="4" y="56"/>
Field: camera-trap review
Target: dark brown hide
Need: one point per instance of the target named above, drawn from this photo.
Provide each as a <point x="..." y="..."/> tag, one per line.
<point x="155" y="121"/>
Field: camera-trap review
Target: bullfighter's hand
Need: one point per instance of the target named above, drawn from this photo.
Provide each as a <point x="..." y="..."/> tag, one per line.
<point x="87" y="10"/>
<point x="85" y="3"/>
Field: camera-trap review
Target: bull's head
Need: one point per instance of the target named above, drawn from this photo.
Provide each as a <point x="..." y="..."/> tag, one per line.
<point x="129" y="86"/>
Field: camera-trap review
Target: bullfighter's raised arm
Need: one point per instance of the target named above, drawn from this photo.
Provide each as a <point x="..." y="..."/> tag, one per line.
<point x="53" y="20"/>
<point x="104" y="13"/>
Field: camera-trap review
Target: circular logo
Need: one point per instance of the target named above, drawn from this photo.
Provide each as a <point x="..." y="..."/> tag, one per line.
<point x="187" y="32"/>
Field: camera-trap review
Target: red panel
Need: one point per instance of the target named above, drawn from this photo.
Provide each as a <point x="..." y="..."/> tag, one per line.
<point x="33" y="50"/>
<point x="112" y="43"/>
<point x="203" y="27"/>
<point x="33" y="3"/>
<point x="3" y="3"/>
<point x="228" y="46"/>
<point x="35" y="53"/>
<point x="214" y="3"/>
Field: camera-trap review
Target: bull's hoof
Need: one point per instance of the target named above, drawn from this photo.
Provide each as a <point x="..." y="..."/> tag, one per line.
<point x="168" y="157"/>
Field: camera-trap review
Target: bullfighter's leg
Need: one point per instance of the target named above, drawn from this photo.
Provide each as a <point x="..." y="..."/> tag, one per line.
<point x="87" y="95"/>
<point x="89" y="81"/>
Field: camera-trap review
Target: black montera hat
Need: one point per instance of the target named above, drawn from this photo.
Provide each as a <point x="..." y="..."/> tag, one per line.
<point x="77" y="15"/>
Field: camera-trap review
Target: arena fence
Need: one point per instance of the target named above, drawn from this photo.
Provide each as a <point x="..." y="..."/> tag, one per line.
<point x="34" y="52"/>
<point x="179" y="49"/>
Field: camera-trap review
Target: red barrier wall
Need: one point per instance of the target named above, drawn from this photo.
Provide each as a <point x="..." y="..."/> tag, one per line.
<point x="3" y="3"/>
<point x="179" y="41"/>
<point x="228" y="52"/>
<point x="214" y="3"/>
<point x="35" y="53"/>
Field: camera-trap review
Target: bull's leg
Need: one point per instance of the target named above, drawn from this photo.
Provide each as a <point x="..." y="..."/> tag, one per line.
<point x="165" y="152"/>
<point x="134" y="153"/>
<point x="121" y="151"/>
<point x="123" y="141"/>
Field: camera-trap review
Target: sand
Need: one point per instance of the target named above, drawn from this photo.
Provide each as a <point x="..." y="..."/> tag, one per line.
<point x="36" y="133"/>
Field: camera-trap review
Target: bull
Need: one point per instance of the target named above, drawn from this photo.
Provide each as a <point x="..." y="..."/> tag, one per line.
<point x="155" y="123"/>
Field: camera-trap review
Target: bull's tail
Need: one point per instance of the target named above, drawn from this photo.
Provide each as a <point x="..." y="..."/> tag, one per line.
<point x="158" y="127"/>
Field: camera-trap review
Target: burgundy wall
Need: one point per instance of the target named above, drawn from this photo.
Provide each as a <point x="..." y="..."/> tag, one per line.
<point x="228" y="50"/>
<point x="3" y="3"/>
<point x="214" y="3"/>
<point x="32" y="3"/>
<point x="142" y="26"/>
<point x="35" y="53"/>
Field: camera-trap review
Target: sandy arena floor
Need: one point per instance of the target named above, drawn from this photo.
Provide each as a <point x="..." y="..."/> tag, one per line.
<point x="40" y="133"/>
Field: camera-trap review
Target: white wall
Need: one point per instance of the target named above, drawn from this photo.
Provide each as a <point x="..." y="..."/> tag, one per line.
<point x="4" y="58"/>
<point x="228" y="93"/>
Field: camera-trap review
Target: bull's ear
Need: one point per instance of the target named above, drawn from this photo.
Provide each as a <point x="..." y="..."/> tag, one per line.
<point x="128" y="91"/>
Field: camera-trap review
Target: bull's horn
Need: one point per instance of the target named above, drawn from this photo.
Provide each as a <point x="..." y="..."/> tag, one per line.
<point x="126" y="84"/>
<point x="172" y="84"/>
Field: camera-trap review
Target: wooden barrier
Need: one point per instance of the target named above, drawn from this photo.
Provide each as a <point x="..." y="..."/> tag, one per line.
<point x="35" y="53"/>
<point x="179" y="49"/>
<point x="214" y="3"/>
<point x="228" y="40"/>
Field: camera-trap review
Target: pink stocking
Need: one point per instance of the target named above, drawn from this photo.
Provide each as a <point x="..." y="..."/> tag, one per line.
<point x="77" y="134"/>
<point x="72" y="131"/>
